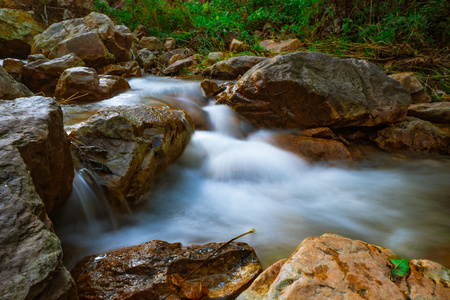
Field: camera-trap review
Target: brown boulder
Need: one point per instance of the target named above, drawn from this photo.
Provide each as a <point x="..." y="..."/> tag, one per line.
<point x="151" y="43"/>
<point x="334" y="267"/>
<point x="165" y="57"/>
<point x="36" y="165"/>
<point x="175" y="58"/>
<point x="320" y="132"/>
<point x="146" y="59"/>
<point x="414" y="135"/>
<point x="34" y="57"/>
<point x="413" y="86"/>
<point x="159" y="270"/>
<point x="42" y="75"/>
<point x="124" y="69"/>
<point x="170" y="44"/>
<point x="13" y="67"/>
<point x="312" y="149"/>
<point x="237" y="46"/>
<point x="11" y="89"/>
<point x="178" y="66"/>
<point x="17" y="29"/>
<point x="230" y="69"/>
<point x="310" y="89"/>
<point x="138" y="143"/>
<point x="435" y="112"/>
<point x="84" y="84"/>
<point x="281" y="46"/>
<point x="210" y="88"/>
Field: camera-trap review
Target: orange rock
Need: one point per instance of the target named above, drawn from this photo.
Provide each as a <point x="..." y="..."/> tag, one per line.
<point x="281" y="46"/>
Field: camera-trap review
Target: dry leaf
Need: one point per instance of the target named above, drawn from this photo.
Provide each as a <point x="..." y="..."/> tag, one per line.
<point x="189" y="290"/>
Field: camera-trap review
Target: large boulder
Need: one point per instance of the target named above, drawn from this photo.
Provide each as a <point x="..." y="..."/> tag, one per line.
<point x="76" y="35"/>
<point x="43" y="75"/>
<point x="334" y="267"/>
<point x="435" y="112"/>
<point x="133" y="145"/>
<point x="159" y="270"/>
<point x="17" y="30"/>
<point x="232" y="68"/>
<point x="35" y="165"/>
<point x="414" y="135"/>
<point x="310" y="89"/>
<point x="11" y="89"/>
<point x="84" y="84"/>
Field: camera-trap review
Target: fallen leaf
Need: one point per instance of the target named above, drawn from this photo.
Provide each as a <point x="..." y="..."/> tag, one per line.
<point x="192" y="291"/>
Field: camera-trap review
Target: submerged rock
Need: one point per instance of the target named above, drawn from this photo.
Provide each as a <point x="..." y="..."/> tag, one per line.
<point x="414" y="135"/>
<point x="129" y="146"/>
<point x="35" y="164"/>
<point x="159" y="270"/>
<point x="303" y="90"/>
<point x="11" y="89"/>
<point x="334" y="267"/>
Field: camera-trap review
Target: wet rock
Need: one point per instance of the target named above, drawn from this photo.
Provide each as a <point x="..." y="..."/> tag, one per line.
<point x="84" y="84"/>
<point x="35" y="166"/>
<point x="210" y="88"/>
<point x="237" y="46"/>
<point x="414" y="135"/>
<point x="230" y="69"/>
<point x="334" y="267"/>
<point x="124" y="69"/>
<point x="320" y="132"/>
<point x="146" y="59"/>
<point x="10" y="88"/>
<point x="413" y="86"/>
<point x="313" y="149"/>
<point x="13" y="67"/>
<point x="138" y="143"/>
<point x="17" y="29"/>
<point x="89" y="47"/>
<point x="64" y="37"/>
<point x="165" y="57"/>
<point x="193" y="109"/>
<point x="306" y="89"/>
<point x="42" y="75"/>
<point x="151" y="43"/>
<point x="435" y="112"/>
<point x="178" y="66"/>
<point x="158" y="270"/>
<point x="281" y="46"/>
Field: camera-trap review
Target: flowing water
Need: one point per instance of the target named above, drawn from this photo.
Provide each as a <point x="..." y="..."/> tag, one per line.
<point x="230" y="180"/>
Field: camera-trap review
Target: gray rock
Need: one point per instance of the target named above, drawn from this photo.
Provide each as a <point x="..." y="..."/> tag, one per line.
<point x="146" y="59"/>
<point x="231" y="69"/>
<point x="178" y="66"/>
<point x="11" y="89"/>
<point x="435" y="112"/>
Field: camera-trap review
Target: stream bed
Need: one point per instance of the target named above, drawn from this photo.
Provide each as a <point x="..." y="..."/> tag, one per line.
<point x="230" y="179"/>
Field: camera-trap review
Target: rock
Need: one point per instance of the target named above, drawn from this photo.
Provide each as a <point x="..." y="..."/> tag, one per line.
<point x="13" y="67"/>
<point x="17" y="29"/>
<point x="175" y="58"/>
<point x="230" y="69"/>
<point x="413" y="135"/>
<point x="89" y="47"/>
<point x="86" y="85"/>
<point x="334" y="267"/>
<point x="157" y="270"/>
<point x="139" y="32"/>
<point x="139" y="143"/>
<point x="210" y="88"/>
<point x="146" y="59"/>
<point x="194" y="110"/>
<point x="237" y="46"/>
<point x="312" y="149"/>
<point x="214" y="57"/>
<point x="151" y="43"/>
<point x="281" y="46"/>
<point x="413" y="86"/>
<point x="178" y="66"/>
<point x="320" y="132"/>
<point x="435" y="112"/>
<point x="42" y="75"/>
<point x="34" y="57"/>
<point x="165" y="57"/>
<point x="11" y="89"/>
<point x="124" y="69"/>
<point x="170" y="44"/>
<point x="310" y="89"/>
<point x="33" y="152"/>
<point x="76" y="35"/>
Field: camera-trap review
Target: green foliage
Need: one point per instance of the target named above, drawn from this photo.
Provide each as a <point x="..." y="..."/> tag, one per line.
<point x="401" y="266"/>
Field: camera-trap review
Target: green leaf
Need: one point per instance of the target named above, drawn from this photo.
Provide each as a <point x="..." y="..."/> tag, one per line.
<point x="401" y="266"/>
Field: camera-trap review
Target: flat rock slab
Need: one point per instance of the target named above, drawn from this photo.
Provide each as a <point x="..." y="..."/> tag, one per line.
<point x="334" y="267"/>
<point x="310" y="89"/>
<point x="433" y="112"/>
<point x="160" y="270"/>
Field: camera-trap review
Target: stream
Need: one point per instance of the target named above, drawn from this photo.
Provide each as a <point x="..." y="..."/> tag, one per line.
<point x="230" y="179"/>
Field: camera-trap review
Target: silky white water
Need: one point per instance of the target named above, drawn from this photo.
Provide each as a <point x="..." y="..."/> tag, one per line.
<point x="230" y="180"/>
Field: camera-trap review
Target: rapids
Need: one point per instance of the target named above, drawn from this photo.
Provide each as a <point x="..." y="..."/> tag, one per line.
<point x="230" y="180"/>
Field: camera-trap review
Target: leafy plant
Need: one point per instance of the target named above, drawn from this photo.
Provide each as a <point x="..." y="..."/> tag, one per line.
<point x="401" y="266"/>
